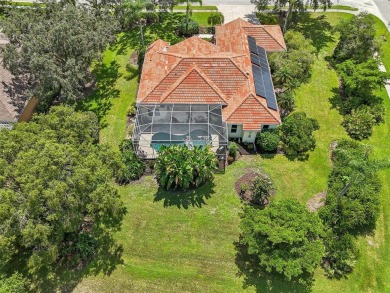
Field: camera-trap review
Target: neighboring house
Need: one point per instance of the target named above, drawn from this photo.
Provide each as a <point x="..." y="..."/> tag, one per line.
<point x="12" y="107"/>
<point x="198" y="93"/>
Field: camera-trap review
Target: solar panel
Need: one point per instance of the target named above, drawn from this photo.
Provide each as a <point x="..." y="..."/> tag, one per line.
<point x="252" y="45"/>
<point x="262" y="75"/>
<point x="255" y="59"/>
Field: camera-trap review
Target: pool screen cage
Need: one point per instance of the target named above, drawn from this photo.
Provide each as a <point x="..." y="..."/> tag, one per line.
<point x="184" y="124"/>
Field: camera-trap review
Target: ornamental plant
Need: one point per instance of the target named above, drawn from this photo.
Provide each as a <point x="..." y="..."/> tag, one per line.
<point x="178" y="167"/>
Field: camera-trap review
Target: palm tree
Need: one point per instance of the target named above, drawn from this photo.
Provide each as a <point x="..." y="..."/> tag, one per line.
<point x="188" y="9"/>
<point x="215" y="18"/>
<point x="286" y="102"/>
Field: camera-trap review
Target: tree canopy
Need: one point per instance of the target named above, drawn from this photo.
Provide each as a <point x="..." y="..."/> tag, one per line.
<point x="53" y="178"/>
<point x="51" y="48"/>
<point x="357" y="39"/>
<point x="284" y="238"/>
<point x="296" y="133"/>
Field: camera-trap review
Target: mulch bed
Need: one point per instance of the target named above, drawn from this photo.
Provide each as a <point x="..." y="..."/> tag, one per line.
<point x="134" y="59"/>
<point x="317" y="201"/>
<point x="245" y="179"/>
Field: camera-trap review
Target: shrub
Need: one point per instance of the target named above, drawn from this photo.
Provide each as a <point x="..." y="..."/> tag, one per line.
<point x="233" y="150"/>
<point x="359" y="123"/>
<point x="268" y="140"/>
<point x="215" y="18"/>
<point x="133" y="167"/>
<point x="244" y="187"/>
<point x="284" y="238"/>
<point x="193" y="28"/>
<point x="180" y="167"/>
<point x="340" y="255"/>
<point x="260" y="189"/>
<point x="132" y="110"/>
<point x="296" y="133"/>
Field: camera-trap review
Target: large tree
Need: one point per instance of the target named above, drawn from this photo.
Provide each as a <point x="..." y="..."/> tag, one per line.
<point x="357" y="39"/>
<point x="283" y="238"/>
<point x="54" y="178"/>
<point x="188" y="8"/>
<point x="51" y="48"/>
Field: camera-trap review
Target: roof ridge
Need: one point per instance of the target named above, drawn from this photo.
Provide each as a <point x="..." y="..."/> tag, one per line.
<point x="195" y="68"/>
<point x="266" y="107"/>
<point x="239" y="105"/>
<point x="152" y="90"/>
<point x="263" y="27"/>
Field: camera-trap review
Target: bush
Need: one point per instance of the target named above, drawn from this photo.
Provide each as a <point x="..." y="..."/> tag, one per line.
<point x="260" y="189"/>
<point x="193" y="28"/>
<point x="233" y="150"/>
<point x="267" y="18"/>
<point x="268" y="140"/>
<point x="132" y="110"/>
<point x="359" y="123"/>
<point x="340" y="255"/>
<point x="133" y="167"/>
<point x="180" y="167"/>
<point x="296" y="133"/>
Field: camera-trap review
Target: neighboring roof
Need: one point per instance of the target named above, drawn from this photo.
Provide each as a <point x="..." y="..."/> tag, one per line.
<point x="11" y="105"/>
<point x="270" y="37"/>
<point x="195" y="71"/>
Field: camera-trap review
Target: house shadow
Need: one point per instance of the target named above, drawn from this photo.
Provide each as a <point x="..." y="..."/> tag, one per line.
<point x="194" y="198"/>
<point x="263" y="281"/>
<point x="99" y="100"/>
<point x="317" y="29"/>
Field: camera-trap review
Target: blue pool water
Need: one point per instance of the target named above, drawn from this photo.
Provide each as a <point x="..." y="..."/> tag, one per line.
<point x="161" y="138"/>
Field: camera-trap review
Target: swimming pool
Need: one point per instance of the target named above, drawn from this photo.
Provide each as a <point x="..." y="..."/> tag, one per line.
<point x="198" y="138"/>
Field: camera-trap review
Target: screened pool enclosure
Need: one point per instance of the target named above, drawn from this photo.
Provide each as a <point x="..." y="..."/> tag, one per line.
<point x="183" y="124"/>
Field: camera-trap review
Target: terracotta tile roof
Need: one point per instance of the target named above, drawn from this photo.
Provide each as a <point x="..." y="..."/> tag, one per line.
<point x="252" y="111"/>
<point x="270" y="37"/>
<point x="197" y="71"/>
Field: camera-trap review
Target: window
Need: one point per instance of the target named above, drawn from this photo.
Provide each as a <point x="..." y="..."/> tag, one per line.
<point x="265" y="127"/>
<point x="234" y="129"/>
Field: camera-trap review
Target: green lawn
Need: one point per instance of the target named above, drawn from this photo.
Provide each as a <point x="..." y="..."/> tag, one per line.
<point x="184" y="242"/>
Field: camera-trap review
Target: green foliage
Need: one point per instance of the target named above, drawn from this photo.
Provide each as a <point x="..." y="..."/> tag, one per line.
<point x="132" y="110"/>
<point x="215" y="18"/>
<point x="52" y="176"/>
<point x="53" y="68"/>
<point x="296" y="133"/>
<point x="283" y="238"/>
<point x="296" y="5"/>
<point x="13" y="284"/>
<point x="233" y="149"/>
<point x="79" y="247"/>
<point x="267" y="18"/>
<point x="341" y="254"/>
<point x="193" y="28"/>
<point x="180" y="167"/>
<point x="359" y="123"/>
<point x="357" y="39"/>
<point x="133" y="167"/>
<point x="261" y="189"/>
<point x="293" y="67"/>
<point x="360" y="81"/>
<point x="352" y="202"/>
<point x="268" y="140"/>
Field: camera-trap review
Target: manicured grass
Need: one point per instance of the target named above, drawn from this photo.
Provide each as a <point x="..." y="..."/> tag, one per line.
<point x="184" y="242"/>
<point x="201" y="18"/>
<point x="195" y="8"/>
<point x="344" y="7"/>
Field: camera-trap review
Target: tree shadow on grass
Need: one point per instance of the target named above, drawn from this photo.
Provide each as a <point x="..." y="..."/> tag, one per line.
<point x="185" y="199"/>
<point x="317" y="29"/>
<point x="267" y="282"/>
<point x="99" y="101"/>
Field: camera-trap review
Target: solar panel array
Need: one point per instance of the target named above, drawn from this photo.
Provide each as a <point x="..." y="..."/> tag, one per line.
<point x="262" y="74"/>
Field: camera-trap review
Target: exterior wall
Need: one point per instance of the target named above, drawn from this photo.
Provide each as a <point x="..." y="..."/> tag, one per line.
<point x="249" y="136"/>
<point x="237" y="134"/>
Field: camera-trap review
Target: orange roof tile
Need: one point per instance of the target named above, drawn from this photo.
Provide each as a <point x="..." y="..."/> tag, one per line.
<point x="196" y="71"/>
